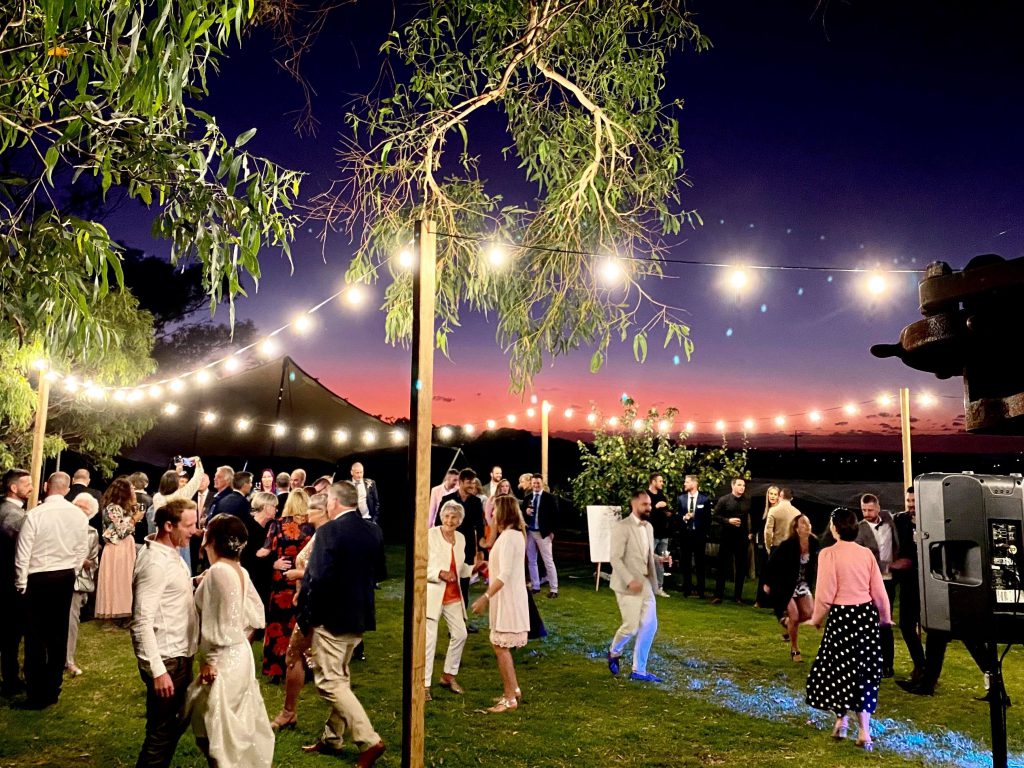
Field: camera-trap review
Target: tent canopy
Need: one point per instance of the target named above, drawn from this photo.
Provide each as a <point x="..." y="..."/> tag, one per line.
<point x="276" y="392"/>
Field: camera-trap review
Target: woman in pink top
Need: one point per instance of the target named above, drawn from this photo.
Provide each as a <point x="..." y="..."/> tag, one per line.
<point x="848" y="669"/>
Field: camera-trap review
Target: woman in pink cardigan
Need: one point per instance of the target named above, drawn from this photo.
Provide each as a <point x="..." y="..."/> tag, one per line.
<point x="848" y="669"/>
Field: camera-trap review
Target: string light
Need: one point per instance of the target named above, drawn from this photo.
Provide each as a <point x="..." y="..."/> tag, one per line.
<point x="203" y="376"/>
<point x="568" y="413"/>
<point x="308" y="434"/>
<point x="120" y="395"/>
<point x="355" y="296"/>
<point x="268" y="348"/>
<point x="232" y="364"/>
<point x="491" y="423"/>
<point x="926" y="400"/>
<point x="531" y="412"/>
<point x="170" y="408"/>
<point x="738" y="279"/>
<point x="369" y="437"/>
<point x="638" y="425"/>
<point x="780" y="421"/>
<point x="302" y="323"/>
<point x="663" y="426"/>
<point x="876" y="284"/>
<point x="40" y="363"/>
<point x="497" y="257"/>
<point x="176" y="385"/>
<point x="279" y="430"/>
<point x="445" y="433"/>
<point x="885" y="400"/>
<point x="850" y="409"/>
<point x="511" y="418"/>
<point x="611" y="272"/>
<point x="533" y="399"/>
<point x="546" y="407"/>
<point x="748" y="425"/>
<point x="814" y="416"/>
<point x="719" y="426"/>
<point x="689" y="427"/>
<point x="71" y="384"/>
<point x="397" y="436"/>
<point x="613" y="422"/>
<point x="469" y="429"/>
<point x="341" y="435"/>
<point x="155" y="391"/>
<point x="406" y="259"/>
<point x="243" y="424"/>
<point x="210" y="417"/>
<point x="591" y="418"/>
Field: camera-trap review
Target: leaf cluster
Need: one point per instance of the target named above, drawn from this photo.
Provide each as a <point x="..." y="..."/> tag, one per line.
<point x="100" y="89"/>
<point x="578" y="86"/>
<point x="618" y="464"/>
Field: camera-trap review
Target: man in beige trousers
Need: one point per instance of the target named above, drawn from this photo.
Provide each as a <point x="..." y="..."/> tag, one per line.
<point x="635" y="580"/>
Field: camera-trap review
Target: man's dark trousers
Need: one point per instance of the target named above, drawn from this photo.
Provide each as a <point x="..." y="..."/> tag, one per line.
<point x="47" y="610"/>
<point x="164" y="717"/>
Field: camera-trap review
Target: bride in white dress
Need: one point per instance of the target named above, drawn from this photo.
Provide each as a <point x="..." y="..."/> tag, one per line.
<point x="228" y="716"/>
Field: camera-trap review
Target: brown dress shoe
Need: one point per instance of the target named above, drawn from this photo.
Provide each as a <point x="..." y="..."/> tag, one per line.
<point x="370" y="756"/>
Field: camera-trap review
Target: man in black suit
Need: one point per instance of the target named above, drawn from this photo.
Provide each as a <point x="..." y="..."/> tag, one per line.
<point x="235" y="501"/>
<point x="694" y="515"/>
<point x="368" y="501"/>
<point x="472" y="525"/>
<point x="335" y="608"/>
<point x="540" y="510"/>
<point x="733" y="513"/>
<point x="80" y="484"/>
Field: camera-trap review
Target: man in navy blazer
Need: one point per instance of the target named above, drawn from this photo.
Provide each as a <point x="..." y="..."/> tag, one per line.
<point x="234" y="502"/>
<point x="335" y="608"/>
<point x="540" y="511"/>
<point x="694" y="508"/>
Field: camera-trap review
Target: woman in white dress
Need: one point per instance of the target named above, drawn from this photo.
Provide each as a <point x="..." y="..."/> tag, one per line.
<point x="506" y="596"/>
<point x="228" y="716"/>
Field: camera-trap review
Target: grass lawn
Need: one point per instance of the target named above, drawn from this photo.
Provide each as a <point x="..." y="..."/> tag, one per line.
<point x="732" y="697"/>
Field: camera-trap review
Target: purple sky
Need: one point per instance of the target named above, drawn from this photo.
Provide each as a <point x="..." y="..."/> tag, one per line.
<point x="877" y="135"/>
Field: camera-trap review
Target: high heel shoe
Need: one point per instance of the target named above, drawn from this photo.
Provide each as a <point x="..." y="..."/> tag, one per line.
<point x="284" y="719"/>
<point x="840" y="728"/>
<point x="504" y="705"/>
<point x="866" y="744"/>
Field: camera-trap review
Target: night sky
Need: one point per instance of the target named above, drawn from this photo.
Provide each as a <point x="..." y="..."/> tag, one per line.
<point x="868" y="134"/>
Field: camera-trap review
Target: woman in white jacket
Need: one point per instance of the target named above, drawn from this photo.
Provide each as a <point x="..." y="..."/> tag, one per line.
<point x="445" y="566"/>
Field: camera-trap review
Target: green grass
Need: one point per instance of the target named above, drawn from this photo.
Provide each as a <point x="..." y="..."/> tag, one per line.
<point x="574" y="713"/>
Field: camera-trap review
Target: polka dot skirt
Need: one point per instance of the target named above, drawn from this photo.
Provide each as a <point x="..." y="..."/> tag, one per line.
<point x="848" y="669"/>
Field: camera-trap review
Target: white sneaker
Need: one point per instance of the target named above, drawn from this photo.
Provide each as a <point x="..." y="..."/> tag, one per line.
<point x="662" y="593"/>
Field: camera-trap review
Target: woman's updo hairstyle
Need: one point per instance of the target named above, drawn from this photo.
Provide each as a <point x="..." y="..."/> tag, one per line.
<point x="227" y="535"/>
<point x="845" y="521"/>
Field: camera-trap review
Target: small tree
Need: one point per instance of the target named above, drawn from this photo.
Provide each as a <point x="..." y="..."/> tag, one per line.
<point x="620" y="463"/>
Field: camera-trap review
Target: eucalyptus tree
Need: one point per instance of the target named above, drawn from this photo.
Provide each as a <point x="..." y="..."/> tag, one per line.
<point x="105" y="91"/>
<point x="579" y="87"/>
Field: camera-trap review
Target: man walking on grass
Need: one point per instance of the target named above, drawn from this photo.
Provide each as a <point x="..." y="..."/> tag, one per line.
<point x="635" y="579"/>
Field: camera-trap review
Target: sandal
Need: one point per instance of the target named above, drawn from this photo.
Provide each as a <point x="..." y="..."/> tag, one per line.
<point x="795" y="656"/>
<point x="865" y="743"/>
<point x="504" y="705"/>
<point x="284" y="719"/>
<point x="840" y="728"/>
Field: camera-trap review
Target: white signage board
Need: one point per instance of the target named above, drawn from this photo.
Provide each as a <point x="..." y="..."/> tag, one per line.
<point x="600" y="520"/>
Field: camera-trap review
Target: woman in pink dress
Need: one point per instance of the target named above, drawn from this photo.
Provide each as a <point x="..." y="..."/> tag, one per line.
<point x="507" y="598"/>
<point x="114" y="583"/>
<point x="848" y="668"/>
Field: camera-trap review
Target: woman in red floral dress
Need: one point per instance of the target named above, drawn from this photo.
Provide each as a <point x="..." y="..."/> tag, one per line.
<point x="286" y="537"/>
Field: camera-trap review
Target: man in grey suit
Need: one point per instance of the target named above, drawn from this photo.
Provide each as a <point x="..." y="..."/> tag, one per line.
<point x="635" y="580"/>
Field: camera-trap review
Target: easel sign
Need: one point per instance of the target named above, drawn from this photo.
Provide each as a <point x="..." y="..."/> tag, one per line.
<point x="600" y="519"/>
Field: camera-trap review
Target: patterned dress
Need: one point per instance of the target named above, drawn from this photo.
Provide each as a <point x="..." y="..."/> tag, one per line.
<point x="285" y="538"/>
<point x="114" y="583"/>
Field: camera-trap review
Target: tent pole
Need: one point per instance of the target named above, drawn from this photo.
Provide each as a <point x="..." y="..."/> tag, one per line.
<point x="277" y="412"/>
<point x="421" y="394"/>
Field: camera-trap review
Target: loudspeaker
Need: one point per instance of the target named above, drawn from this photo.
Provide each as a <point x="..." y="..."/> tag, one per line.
<point x="970" y="543"/>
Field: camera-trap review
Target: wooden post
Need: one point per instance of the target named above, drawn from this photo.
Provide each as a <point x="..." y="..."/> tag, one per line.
<point x="545" y="407"/>
<point x="597" y="578"/>
<point x="421" y="395"/>
<point x="908" y="472"/>
<point x="38" y="435"/>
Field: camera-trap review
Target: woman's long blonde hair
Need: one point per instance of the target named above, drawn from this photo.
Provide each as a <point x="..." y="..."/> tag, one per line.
<point x="297" y="506"/>
<point x="507" y="514"/>
<point x="768" y="504"/>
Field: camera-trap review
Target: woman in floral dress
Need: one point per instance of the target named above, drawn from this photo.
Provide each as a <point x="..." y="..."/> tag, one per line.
<point x="286" y="537"/>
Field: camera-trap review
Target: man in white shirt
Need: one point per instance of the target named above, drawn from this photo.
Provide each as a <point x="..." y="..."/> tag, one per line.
<point x="53" y="543"/>
<point x="368" y="502"/>
<point x="165" y="629"/>
<point x="438" y="492"/>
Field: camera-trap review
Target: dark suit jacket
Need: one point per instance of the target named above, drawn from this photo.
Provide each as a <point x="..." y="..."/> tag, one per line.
<point x="701" y="521"/>
<point x="337" y="590"/>
<point x="233" y="503"/>
<point x="784" y="570"/>
<point x="372" y="499"/>
<point x="548" y="513"/>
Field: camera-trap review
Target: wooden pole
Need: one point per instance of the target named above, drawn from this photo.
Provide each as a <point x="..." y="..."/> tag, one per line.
<point x="545" y="408"/>
<point x="421" y="395"/>
<point x="38" y="435"/>
<point x="908" y="472"/>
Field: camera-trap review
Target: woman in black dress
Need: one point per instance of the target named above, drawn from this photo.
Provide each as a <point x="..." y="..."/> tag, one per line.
<point x="790" y="577"/>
